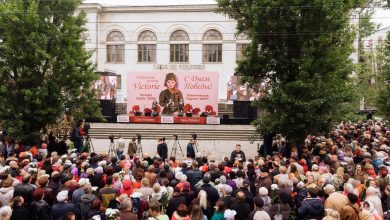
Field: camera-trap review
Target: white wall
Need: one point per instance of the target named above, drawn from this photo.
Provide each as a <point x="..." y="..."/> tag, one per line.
<point x="162" y="22"/>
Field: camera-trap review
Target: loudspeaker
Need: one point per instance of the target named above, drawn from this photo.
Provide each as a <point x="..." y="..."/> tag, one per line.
<point x="244" y="109"/>
<point x="108" y="110"/>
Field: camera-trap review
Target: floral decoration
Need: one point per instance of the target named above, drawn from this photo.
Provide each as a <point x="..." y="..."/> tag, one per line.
<point x="147" y="110"/>
<point x="135" y="108"/>
<point x="196" y="111"/>
<point x="208" y="108"/>
<point x="187" y="108"/>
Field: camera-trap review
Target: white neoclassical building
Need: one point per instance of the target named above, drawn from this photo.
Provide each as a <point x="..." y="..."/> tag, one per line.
<point x="161" y="35"/>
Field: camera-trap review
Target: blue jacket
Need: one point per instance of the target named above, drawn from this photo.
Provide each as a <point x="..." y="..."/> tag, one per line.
<point x="311" y="208"/>
<point x="59" y="210"/>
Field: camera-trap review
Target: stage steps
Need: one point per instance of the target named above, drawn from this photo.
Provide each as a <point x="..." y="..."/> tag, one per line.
<point x="154" y="131"/>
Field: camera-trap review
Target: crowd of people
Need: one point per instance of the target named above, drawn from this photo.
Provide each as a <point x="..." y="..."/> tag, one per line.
<point x="343" y="175"/>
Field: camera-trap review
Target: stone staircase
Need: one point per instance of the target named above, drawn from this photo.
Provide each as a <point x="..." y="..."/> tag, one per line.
<point x="184" y="132"/>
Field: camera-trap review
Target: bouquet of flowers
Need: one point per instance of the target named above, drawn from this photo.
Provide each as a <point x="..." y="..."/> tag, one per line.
<point x="32" y="170"/>
<point x="4" y="169"/>
<point x="96" y="217"/>
<point x="111" y="213"/>
<point x="274" y="193"/>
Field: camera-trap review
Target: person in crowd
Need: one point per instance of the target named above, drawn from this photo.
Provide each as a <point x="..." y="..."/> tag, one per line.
<point x="39" y="208"/>
<point x="126" y="209"/>
<point x="76" y="136"/>
<point x="241" y="207"/>
<point x="312" y="207"/>
<point x="238" y="154"/>
<point x="219" y="211"/>
<point x="350" y="211"/>
<point x="108" y="192"/>
<point x="194" y="175"/>
<point x="162" y="148"/>
<point x="86" y="202"/>
<point x="176" y="200"/>
<point x="281" y="209"/>
<point x="20" y="211"/>
<point x="181" y="213"/>
<point x="154" y="207"/>
<point x="259" y="213"/>
<point x="6" y="191"/>
<point x="190" y="149"/>
<point x="132" y="148"/>
<point x="62" y="207"/>
<point x="121" y="144"/>
<point x="196" y="213"/>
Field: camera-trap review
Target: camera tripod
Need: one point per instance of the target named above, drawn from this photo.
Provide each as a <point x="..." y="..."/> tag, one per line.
<point x="175" y="145"/>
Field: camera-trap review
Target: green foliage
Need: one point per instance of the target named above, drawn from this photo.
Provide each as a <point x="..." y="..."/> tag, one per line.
<point x="43" y="65"/>
<point x="303" y="48"/>
<point x="384" y="95"/>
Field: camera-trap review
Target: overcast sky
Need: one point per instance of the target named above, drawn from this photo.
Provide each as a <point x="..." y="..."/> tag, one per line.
<point x="381" y="16"/>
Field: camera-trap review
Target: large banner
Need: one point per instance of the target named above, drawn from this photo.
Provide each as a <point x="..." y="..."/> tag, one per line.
<point x="194" y="92"/>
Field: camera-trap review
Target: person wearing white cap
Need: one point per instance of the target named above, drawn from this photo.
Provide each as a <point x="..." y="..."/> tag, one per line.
<point x="59" y="210"/>
<point x="76" y="196"/>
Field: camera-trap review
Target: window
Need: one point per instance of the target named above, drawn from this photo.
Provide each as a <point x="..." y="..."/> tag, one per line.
<point x="147" y="47"/>
<point x="179" y="49"/>
<point x="242" y="43"/>
<point x="115" y="47"/>
<point x="240" y="50"/>
<point x="212" y="47"/>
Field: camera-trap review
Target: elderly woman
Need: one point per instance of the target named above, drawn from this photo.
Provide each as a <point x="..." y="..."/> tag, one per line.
<point x="373" y="196"/>
<point x="338" y="178"/>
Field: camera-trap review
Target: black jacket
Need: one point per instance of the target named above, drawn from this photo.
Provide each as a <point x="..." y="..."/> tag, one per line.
<point x="24" y="190"/>
<point x="212" y="194"/>
<point x="40" y="210"/>
<point x="162" y="150"/>
<point x="59" y="210"/>
<point x="174" y="203"/>
<point x="20" y="212"/>
<point x="236" y="155"/>
<point x="243" y="209"/>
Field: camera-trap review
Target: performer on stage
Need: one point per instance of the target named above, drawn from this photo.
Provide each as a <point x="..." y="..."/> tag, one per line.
<point x="171" y="97"/>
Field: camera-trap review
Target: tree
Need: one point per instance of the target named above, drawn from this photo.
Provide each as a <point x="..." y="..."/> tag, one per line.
<point x="302" y="47"/>
<point x="44" y="65"/>
<point x="384" y="94"/>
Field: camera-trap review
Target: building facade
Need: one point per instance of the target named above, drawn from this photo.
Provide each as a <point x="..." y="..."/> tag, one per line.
<point x="153" y="38"/>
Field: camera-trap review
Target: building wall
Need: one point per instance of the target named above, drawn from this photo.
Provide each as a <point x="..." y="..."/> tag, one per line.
<point x="162" y="20"/>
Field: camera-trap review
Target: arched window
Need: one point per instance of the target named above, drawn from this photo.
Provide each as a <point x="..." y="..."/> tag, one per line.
<point x="115" y="47"/>
<point x="212" y="46"/>
<point x="147" y="47"/>
<point x="242" y="42"/>
<point x="179" y="49"/>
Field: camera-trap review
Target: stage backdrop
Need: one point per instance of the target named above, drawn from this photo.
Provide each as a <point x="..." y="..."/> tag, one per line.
<point x="199" y="89"/>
